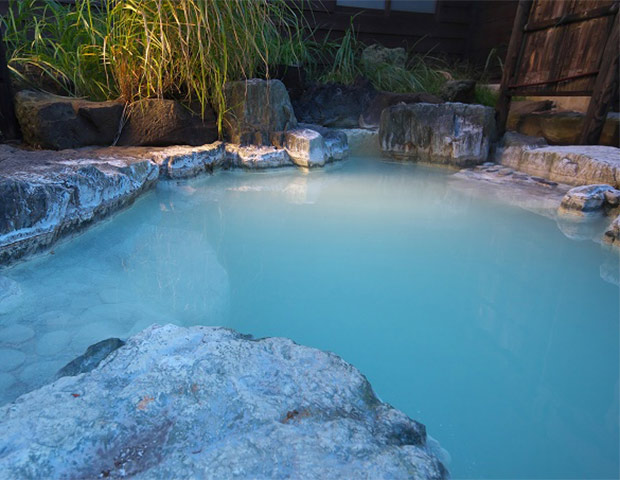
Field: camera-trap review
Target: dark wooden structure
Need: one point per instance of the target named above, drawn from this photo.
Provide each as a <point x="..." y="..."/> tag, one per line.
<point x="564" y="48"/>
<point x="9" y="128"/>
<point x="463" y="29"/>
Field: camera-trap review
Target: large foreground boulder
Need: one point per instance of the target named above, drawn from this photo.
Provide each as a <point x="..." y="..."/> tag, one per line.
<point x="54" y="122"/>
<point x="256" y="109"/>
<point x="573" y="165"/>
<point x="206" y="402"/>
<point x="449" y="133"/>
<point x="160" y="122"/>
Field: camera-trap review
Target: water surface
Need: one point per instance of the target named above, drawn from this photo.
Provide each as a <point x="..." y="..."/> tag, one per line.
<point x="481" y="320"/>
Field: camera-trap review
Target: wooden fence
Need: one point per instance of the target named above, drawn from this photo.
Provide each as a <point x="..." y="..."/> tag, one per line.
<point x="564" y="48"/>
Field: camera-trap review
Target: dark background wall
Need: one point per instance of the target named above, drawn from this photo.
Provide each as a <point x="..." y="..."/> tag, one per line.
<point x="461" y="29"/>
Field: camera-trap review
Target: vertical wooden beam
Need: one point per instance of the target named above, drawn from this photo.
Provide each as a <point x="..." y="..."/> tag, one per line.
<point x="605" y="88"/>
<point x="8" y="122"/>
<point x="511" y="64"/>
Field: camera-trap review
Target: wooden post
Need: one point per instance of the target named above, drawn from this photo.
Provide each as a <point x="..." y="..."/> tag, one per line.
<point x="512" y="58"/>
<point x="9" y="127"/>
<point x="605" y="87"/>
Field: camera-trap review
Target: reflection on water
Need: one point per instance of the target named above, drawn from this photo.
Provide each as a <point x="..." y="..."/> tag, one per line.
<point x="481" y="320"/>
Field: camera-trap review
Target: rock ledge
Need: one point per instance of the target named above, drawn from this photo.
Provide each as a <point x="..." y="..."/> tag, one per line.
<point x="205" y="402"/>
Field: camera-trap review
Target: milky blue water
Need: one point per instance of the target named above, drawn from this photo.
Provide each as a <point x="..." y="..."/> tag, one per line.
<point x="479" y="319"/>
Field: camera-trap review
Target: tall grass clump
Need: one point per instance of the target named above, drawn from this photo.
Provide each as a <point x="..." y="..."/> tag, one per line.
<point x="135" y="49"/>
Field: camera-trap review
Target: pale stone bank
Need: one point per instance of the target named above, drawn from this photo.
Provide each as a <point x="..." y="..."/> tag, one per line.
<point x="453" y="134"/>
<point x="205" y="402"/>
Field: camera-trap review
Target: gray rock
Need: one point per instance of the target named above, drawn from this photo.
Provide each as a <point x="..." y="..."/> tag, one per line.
<point x="254" y="157"/>
<point x="612" y="197"/>
<point x="515" y="139"/>
<point x="206" y="402"/>
<point x="459" y="91"/>
<point x="313" y="145"/>
<point x="573" y="165"/>
<point x="612" y="233"/>
<point x="306" y="147"/>
<point x="45" y="195"/>
<point x="371" y="117"/>
<point x="256" y="109"/>
<point x="160" y="122"/>
<point x="334" y="105"/>
<point x="587" y="199"/>
<point x="185" y="162"/>
<point x="448" y="133"/>
<point x="362" y="141"/>
<point x="561" y="127"/>
<point x="51" y="121"/>
<point x="91" y="359"/>
<point x="376" y="55"/>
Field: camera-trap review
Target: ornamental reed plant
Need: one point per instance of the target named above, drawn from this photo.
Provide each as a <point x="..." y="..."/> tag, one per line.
<point x="136" y="49"/>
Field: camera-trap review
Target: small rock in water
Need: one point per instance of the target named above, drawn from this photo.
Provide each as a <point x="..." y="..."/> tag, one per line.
<point x="586" y="199"/>
<point x="91" y="358"/>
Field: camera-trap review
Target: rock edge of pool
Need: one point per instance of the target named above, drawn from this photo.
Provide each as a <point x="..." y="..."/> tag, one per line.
<point x="209" y="402"/>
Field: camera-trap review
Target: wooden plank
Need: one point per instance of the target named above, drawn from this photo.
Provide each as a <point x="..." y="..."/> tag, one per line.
<point x="605" y="89"/>
<point x="512" y="61"/>
<point x="8" y="122"/>
<point x="544" y="61"/>
<point x="574" y="17"/>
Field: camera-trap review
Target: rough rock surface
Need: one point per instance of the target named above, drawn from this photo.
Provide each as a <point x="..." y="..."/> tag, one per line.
<point x="562" y="127"/>
<point x="257" y="157"/>
<point x="159" y="122"/>
<point x="534" y="194"/>
<point x="41" y="199"/>
<point x="334" y="105"/>
<point x="335" y="144"/>
<point x="363" y="142"/>
<point x="371" y="117"/>
<point x="47" y="194"/>
<point x="590" y="199"/>
<point x="449" y="133"/>
<point x="185" y="162"/>
<point x="257" y="108"/>
<point x="459" y="91"/>
<point x="93" y="356"/>
<point x="375" y="55"/>
<point x="206" y="402"/>
<point x="573" y="165"/>
<point x="306" y="147"/>
<point x="516" y="139"/>
<point x="50" y="121"/>
<point x="612" y="234"/>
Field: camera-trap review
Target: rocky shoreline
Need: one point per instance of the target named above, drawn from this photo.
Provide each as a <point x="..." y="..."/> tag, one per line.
<point x="208" y="402"/>
<point x="48" y="194"/>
